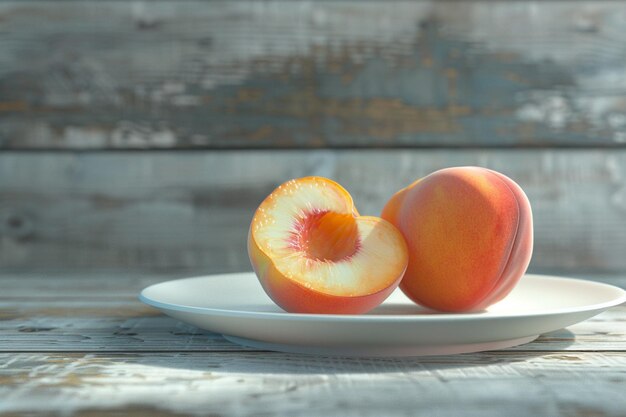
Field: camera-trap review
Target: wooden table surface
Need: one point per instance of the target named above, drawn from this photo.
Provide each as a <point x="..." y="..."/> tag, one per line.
<point x="81" y="344"/>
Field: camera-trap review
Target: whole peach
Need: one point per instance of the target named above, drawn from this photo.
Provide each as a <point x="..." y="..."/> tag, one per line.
<point x="470" y="237"/>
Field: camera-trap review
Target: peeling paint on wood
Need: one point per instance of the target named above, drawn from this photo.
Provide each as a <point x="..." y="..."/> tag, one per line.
<point x="108" y="74"/>
<point x="192" y="210"/>
<point x="93" y="361"/>
<point x="105" y="331"/>
<point x="269" y="384"/>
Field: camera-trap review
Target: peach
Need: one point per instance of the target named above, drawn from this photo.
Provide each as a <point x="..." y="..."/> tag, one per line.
<point x="313" y="253"/>
<point x="470" y="237"/>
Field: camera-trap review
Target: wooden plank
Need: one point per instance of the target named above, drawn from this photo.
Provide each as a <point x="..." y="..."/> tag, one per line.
<point x="191" y="211"/>
<point x="73" y="285"/>
<point x="129" y="327"/>
<point x="263" y="384"/>
<point x="109" y="74"/>
<point x="99" y="312"/>
<point x="101" y="327"/>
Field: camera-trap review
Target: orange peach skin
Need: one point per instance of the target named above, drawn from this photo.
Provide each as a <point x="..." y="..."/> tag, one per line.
<point x="470" y="237"/>
<point x="296" y="298"/>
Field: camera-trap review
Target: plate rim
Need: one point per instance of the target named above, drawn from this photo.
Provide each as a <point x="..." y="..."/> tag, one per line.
<point x="438" y="316"/>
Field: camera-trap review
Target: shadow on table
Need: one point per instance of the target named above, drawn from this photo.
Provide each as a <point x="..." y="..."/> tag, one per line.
<point x="239" y="360"/>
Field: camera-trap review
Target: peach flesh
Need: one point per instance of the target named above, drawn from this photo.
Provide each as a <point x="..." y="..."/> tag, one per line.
<point x="469" y="233"/>
<point x="313" y="253"/>
<point x="326" y="236"/>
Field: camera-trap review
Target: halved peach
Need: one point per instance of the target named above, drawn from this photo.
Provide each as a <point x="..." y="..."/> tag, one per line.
<point x="470" y="237"/>
<point x="313" y="253"/>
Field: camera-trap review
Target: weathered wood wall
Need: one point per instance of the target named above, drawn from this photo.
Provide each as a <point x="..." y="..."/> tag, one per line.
<point x="104" y="77"/>
<point x="192" y="209"/>
<point x="110" y="74"/>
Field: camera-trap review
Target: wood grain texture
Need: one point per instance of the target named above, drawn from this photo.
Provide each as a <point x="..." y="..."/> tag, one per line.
<point x="84" y="347"/>
<point x="109" y="74"/>
<point x="159" y="211"/>
<point x="90" y="327"/>
<point x="109" y="285"/>
<point x="254" y="384"/>
<point x="98" y="312"/>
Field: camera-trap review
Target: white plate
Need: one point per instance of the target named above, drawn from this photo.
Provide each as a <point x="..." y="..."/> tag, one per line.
<point x="236" y="306"/>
